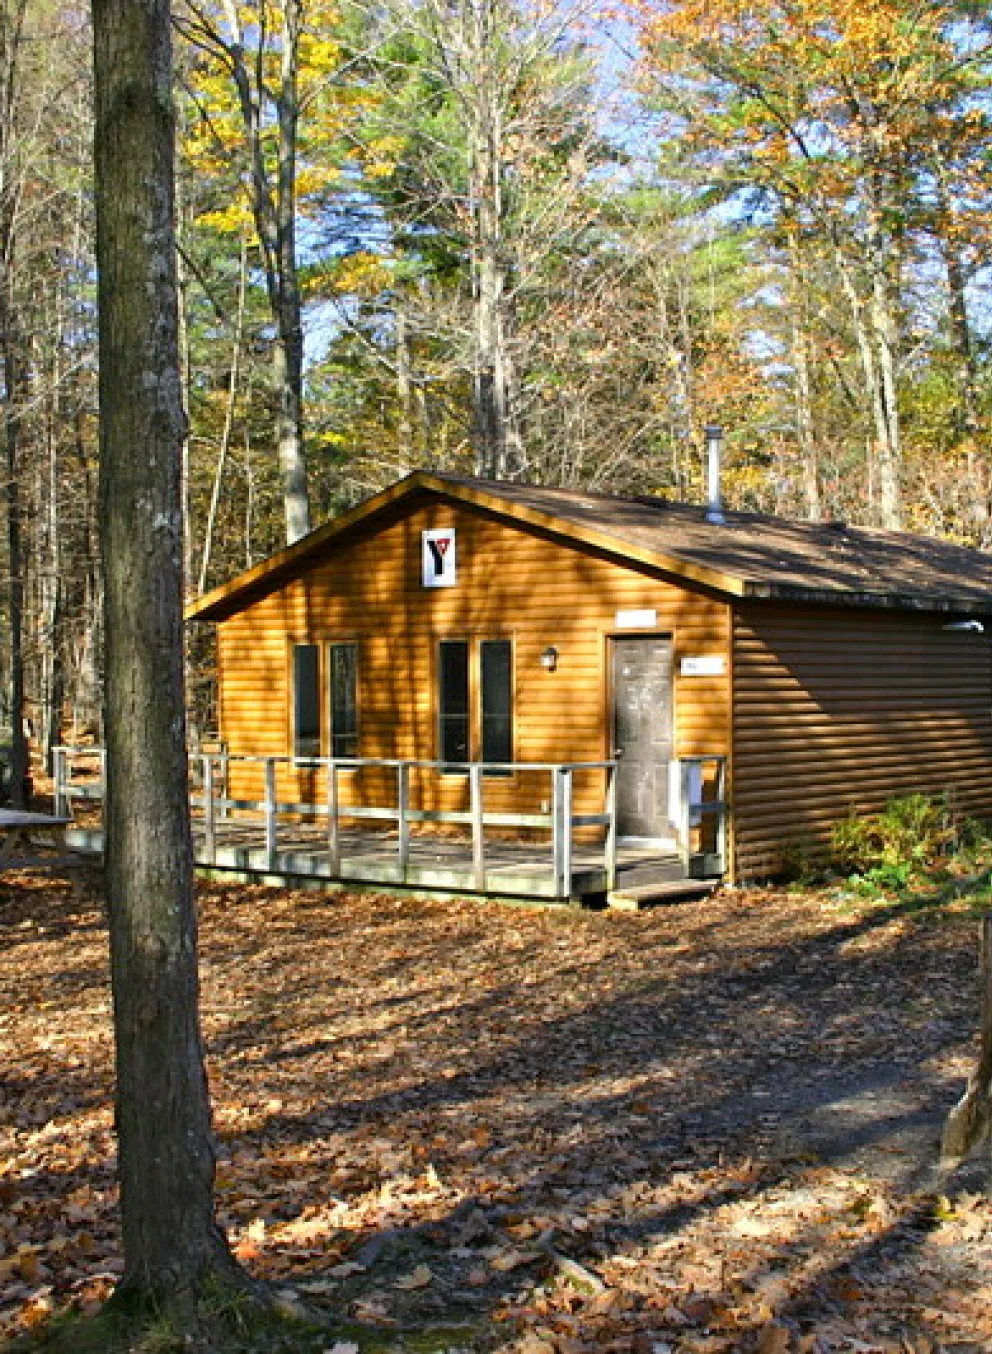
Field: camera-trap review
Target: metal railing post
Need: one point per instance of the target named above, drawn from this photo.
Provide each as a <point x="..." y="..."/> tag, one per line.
<point x="556" y="835"/>
<point x="61" y="801"/>
<point x="566" y="843"/>
<point x="721" y="818"/>
<point x="478" y="836"/>
<point x="611" y="828"/>
<point x="403" y="822"/>
<point x="333" y="824"/>
<point x="209" y="835"/>
<point x="271" y="828"/>
<point x="685" y="814"/>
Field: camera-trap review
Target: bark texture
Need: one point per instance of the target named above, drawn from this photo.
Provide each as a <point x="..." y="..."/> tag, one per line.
<point x="171" y="1240"/>
<point x="11" y="89"/>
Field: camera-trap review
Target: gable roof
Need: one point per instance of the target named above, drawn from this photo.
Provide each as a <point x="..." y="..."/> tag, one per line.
<point x="750" y="555"/>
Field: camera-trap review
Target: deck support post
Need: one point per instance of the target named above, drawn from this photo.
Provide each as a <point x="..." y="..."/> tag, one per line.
<point x="61" y="801"/>
<point x="403" y="821"/>
<point x="721" y="822"/>
<point x="270" y="812"/>
<point x="610" y="853"/>
<point x="566" y="824"/>
<point x="333" y="824"/>
<point x="225" y="785"/>
<point x="685" y="814"/>
<point x="556" y="830"/>
<point x="209" y="832"/>
<point x="478" y="836"/>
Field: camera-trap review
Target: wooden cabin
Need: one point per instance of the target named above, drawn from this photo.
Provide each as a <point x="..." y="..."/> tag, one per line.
<point x="818" y="669"/>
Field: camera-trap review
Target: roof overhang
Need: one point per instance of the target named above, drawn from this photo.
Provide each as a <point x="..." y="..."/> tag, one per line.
<point x="853" y="597"/>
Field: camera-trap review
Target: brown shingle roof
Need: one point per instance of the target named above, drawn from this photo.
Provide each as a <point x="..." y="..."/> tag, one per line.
<point x="749" y="555"/>
<point x="773" y="556"/>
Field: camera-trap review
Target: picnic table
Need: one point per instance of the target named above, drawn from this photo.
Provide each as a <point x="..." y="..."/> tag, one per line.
<point x="34" y="841"/>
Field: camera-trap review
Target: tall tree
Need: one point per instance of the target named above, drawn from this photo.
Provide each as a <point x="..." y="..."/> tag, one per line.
<point x="172" y="1243"/>
<point x="489" y="107"/>
<point x="264" y="88"/>
<point x="823" y="111"/>
<point x="12" y="164"/>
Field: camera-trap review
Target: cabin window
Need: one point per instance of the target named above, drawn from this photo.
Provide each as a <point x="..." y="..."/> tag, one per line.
<point x="306" y="700"/>
<point x="453" y="701"/>
<point x="344" y="699"/>
<point x="496" y="699"/>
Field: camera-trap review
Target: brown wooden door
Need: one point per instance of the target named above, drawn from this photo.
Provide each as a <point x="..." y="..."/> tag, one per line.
<point x="642" y="734"/>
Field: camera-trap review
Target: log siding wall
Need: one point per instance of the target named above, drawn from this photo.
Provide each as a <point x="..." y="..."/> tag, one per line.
<point x="838" y="710"/>
<point x="512" y="584"/>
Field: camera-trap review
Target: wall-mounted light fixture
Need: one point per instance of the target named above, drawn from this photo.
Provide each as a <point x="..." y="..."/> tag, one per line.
<point x="974" y="627"/>
<point x="549" y="658"/>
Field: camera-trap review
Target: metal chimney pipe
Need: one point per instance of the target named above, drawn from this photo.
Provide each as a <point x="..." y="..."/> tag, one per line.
<point x="714" y="458"/>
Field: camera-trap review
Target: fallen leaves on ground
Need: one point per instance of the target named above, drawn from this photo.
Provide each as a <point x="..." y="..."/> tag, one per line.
<point x="701" y="1128"/>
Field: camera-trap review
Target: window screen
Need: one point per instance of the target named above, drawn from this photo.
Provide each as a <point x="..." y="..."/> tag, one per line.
<point x="306" y="700"/>
<point x="496" y="671"/>
<point x="344" y="700"/>
<point x="453" y="701"/>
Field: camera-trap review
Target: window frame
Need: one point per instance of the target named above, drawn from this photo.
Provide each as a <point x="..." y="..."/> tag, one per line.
<point x="506" y="643"/>
<point x="332" y="733"/>
<point x="304" y="749"/>
<point x="451" y="766"/>
<point x="474" y="717"/>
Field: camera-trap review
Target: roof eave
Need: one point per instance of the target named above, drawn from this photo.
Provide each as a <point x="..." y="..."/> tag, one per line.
<point x="218" y="603"/>
<point x="893" y="601"/>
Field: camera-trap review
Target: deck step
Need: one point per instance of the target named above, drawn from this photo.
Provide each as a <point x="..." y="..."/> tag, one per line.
<point x="631" y="898"/>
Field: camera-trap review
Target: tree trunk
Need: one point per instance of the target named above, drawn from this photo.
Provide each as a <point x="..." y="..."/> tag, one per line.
<point x="486" y="174"/>
<point x="237" y="343"/>
<point x="404" y="389"/>
<point x="172" y="1243"/>
<point x="882" y="263"/>
<point x="799" y="321"/>
<point x="15" y="557"/>
<point x="956" y="286"/>
<point x="274" y="213"/>
<point x="53" y="692"/>
<point x="883" y="482"/>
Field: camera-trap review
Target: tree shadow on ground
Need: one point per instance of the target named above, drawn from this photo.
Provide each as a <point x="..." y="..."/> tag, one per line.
<point x="496" y="1096"/>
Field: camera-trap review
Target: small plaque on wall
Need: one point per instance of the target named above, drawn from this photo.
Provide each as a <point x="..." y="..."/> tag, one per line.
<point x="636" y="620"/>
<point x="703" y="665"/>
<point x="438" y="558"/>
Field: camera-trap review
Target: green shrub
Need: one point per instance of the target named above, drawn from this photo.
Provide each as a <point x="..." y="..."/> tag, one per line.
<point x="909" y="834"/>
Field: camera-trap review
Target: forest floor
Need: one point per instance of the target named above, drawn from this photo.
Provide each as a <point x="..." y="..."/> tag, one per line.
<point x="444" y="1125"/>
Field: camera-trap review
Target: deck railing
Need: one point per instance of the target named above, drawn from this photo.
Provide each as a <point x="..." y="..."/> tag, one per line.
<point x="702" y="833"/>
<point x="80" y="774"/>
<point x="702" y="826"/>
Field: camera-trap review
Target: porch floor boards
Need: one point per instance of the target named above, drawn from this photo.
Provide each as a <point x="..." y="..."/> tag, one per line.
<point x="517" y="869"/>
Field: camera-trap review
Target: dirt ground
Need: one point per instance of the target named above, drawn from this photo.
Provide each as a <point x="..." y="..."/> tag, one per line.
<point x="705" y="1127"/>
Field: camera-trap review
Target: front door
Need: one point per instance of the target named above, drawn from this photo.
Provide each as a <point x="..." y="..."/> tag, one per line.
<point x="642" y="735"/>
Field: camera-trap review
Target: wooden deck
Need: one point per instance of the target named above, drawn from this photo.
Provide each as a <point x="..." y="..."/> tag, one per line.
<point x="410" y="848"/>
<point x="512" y="870"/>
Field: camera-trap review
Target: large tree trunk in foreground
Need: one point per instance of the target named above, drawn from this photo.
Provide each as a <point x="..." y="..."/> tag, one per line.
<point x="171" y="1240"/>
